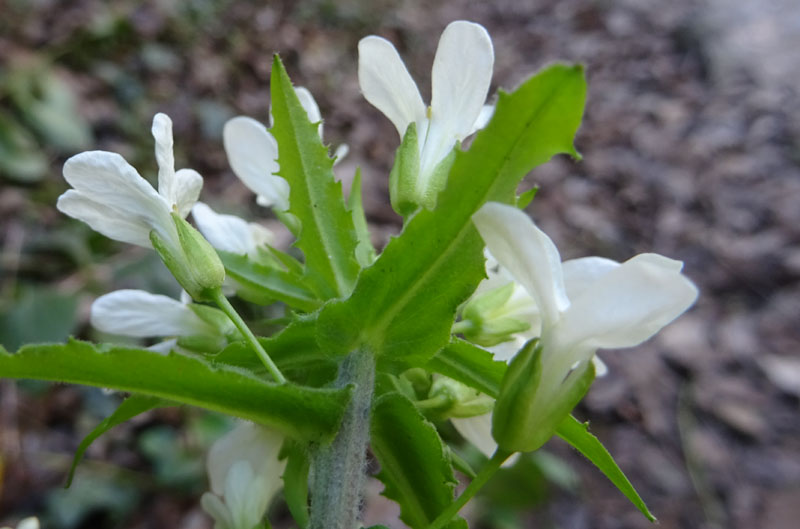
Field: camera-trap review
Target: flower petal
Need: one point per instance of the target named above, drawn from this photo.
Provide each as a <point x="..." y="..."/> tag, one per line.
<point x="527" y="253"/>
<point x="107" y="178"/>
<point x="478" y="431"/>
<point x="627" y="305"/>
<point x="386" y="83"/>
<point x="245" y="495"/>
<point x="340" y="152"/>
<point x="484" y="118"/>
<point x="253" y="152"/>
<point x="132" y="229"/>
<point x="216" y="508"/>
<point x="188" y="184"/>
<point x="162" y="134"/>
<point x="142" y="314"/>
<point x="309" y="104"/>
<point x="226" y="232"/>
<point x="580" y="274"/>
<point x="462" y="73"/>
<point x="247" y="441"/>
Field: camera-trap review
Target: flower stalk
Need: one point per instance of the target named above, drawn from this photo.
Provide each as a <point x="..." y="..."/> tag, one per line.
<point x="222" y="302"/>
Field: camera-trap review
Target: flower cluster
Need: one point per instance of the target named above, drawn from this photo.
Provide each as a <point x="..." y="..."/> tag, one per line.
<point x="544" y="318"/>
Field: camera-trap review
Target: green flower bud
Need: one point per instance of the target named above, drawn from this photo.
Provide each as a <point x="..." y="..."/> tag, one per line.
<point x="491" y="316"/>
<point x="532" y="403"/>
<point x="195" y="264"/>
<point x="459" y="400"/>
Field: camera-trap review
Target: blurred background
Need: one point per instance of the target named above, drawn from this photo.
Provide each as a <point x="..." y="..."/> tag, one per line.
<point x="691" y="145"/>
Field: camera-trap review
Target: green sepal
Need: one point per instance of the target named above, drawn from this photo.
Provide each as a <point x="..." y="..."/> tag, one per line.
<point x="195" y="263"/>
<point x="577" y="435"/>
<point x="437" y="180"/>
<point x="295" y="482"/>
<point x="217" y="319"/>
<point x="415" y="463"/>
<point x="405" y="173"/>
<point x="128" y="409"/>
<point x="524" y="418"/>
<point x="327" y="236"/>
<point x="208" y="344"/>
<point x="365" y="251"/>
<point x="303" y="413"/>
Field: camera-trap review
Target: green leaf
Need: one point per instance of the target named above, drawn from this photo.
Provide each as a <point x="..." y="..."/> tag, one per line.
<point x="295" y="484"/>
<point x="365" y="252"/>
<point x="577" y="434"/>
<point x="294" y="350"/>
<point x="130" y="408"/>
<point x="470" y="365"/>
<point x="327" y="236"/>
<point x="264" y="284"/>
<point x="415" y="466"/>
<point x="302" y="413"/>
<point x="404" y="304"/>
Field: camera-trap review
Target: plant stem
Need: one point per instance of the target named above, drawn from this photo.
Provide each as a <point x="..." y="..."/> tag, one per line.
<point x="223" y="303"/>
<point x="338" y="468"/>
<point x="475" y="485"/>
<point x="462" y="326"/>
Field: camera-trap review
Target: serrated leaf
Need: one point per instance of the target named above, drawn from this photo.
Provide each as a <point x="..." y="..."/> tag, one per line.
<point x="302" y="413"/>
<point x="404" y="304"/>
<point x="415" y="467"/>
<point x="128" y="409"/>
<point x="327" y="236"/>
<point x="470" y="365"/>
<point x="264" y="284"/>
<point x="577" y="435"/>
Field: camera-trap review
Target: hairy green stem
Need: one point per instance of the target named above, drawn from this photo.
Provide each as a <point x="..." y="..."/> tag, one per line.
<point x="338" y="468"/>
<point x="475" y="485"/>
<point x="223" y="303"/>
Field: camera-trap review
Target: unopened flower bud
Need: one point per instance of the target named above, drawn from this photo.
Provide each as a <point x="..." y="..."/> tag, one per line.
<point x="496" y="315"/>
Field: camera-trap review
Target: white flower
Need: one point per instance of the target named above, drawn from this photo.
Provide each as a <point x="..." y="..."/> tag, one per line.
<point x="142" y="315"/>
<point x="253" y="154"/>
<point x="230" y="233"/>
<point x="460" y="79"/>
<point x="27" y="523"/>
<point x="584" y="304"/>
<point x="244" y="473"/>
<point x="110" y="196"/>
